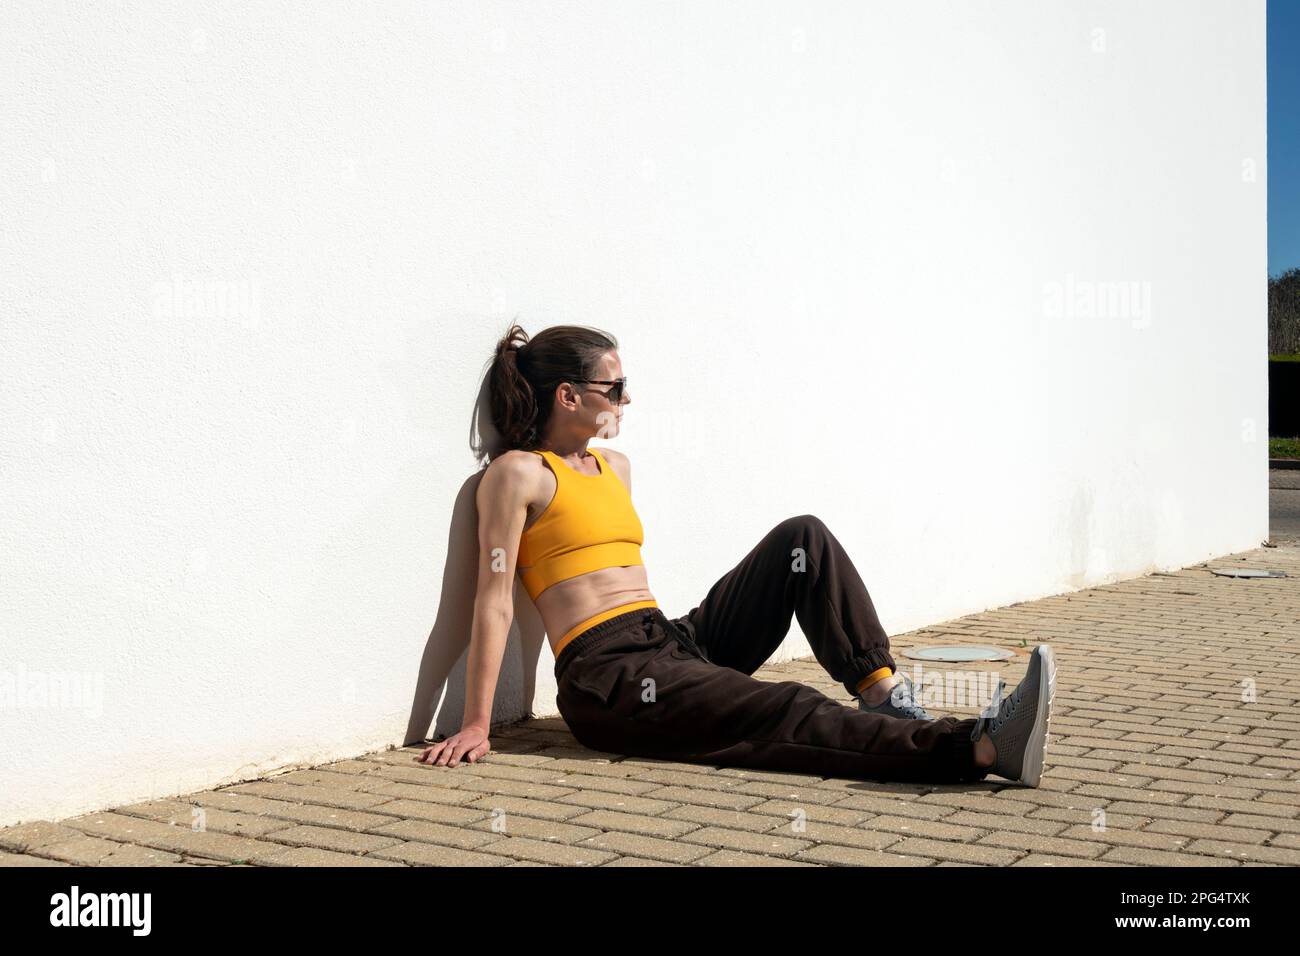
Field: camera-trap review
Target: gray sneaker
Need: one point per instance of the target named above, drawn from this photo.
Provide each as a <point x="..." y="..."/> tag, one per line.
<point x="900" y="703"/>
<point x="1018" y="725"/>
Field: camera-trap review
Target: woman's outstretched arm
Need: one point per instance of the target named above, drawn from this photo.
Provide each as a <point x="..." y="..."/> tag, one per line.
<point x="502" y="499"/>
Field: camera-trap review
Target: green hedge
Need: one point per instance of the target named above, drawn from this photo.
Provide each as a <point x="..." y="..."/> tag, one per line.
<point x="1284" y="448"/>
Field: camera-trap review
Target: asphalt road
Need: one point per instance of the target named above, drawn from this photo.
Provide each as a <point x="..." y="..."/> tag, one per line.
<point x="1284" y="504"/>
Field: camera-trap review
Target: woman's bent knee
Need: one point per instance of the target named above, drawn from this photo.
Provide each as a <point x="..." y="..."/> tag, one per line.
<point x="800" y="527"/>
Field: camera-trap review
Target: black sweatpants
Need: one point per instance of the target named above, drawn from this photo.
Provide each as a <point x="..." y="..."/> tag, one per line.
<point x="641" y="684"/>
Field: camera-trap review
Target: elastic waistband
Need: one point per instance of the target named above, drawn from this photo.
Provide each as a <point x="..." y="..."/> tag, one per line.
<point x="599" y="625"/>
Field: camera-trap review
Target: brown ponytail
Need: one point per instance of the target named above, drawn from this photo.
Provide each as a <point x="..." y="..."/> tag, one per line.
<point x="526" y="371"/>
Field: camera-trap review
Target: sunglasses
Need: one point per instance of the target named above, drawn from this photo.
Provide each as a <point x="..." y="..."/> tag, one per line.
<point x="615" y="394"/>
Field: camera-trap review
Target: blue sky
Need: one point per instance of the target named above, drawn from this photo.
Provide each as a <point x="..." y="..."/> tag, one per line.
<point x="1283" y="135"/>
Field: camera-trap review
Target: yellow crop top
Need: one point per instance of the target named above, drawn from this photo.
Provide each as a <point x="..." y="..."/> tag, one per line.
<point x="589" y="524"/>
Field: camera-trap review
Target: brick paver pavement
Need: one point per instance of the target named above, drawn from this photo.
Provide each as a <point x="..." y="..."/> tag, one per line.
<point x="1176" y="740"/>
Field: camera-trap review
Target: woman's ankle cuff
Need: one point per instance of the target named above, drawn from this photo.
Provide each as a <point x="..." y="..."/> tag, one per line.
<point x="874" y="677"/>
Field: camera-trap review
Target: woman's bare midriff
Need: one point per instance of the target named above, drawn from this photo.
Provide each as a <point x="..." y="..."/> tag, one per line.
<point x="567" y="603"/>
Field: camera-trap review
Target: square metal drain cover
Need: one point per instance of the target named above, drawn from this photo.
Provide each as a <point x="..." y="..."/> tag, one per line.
<point x="1247" y="573"/>
<point x="959" y="654"/>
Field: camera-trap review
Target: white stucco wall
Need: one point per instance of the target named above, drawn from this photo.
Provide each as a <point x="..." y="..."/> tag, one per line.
<point x="254" y="257"/>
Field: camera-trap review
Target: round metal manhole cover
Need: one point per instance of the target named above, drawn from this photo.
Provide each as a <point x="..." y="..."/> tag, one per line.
<point x="1247" y="573"/>
<point x="959" y="654"/>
